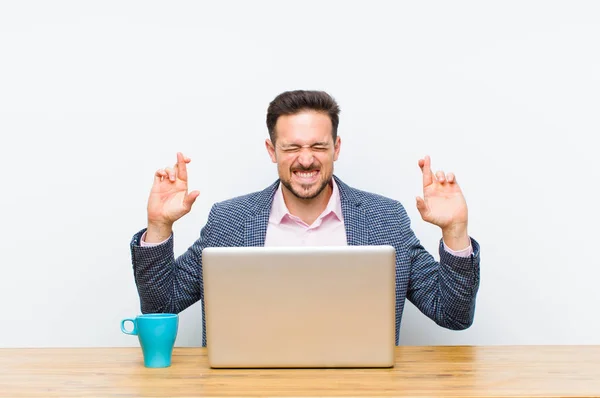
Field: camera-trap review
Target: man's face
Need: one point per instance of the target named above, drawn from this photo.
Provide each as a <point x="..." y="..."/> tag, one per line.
<point x="304" y="152"/>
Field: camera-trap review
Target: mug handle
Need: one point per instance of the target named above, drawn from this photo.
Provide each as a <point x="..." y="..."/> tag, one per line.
<point x="133" y="331"/>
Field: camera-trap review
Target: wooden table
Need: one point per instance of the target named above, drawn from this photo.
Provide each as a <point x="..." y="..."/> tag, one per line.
<point x="419" y="371"/>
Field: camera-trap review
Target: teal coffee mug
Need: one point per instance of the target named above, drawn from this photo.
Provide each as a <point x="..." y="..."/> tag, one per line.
<point x="156" y="333"/>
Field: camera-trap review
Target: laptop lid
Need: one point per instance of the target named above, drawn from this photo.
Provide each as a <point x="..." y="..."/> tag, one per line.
<point x="300" y="306"/>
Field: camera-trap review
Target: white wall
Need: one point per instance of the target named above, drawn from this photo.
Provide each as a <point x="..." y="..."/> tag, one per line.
<point x="95" y="96"/>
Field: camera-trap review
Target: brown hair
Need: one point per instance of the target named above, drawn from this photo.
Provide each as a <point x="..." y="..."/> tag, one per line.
<point x="293" y="102"/>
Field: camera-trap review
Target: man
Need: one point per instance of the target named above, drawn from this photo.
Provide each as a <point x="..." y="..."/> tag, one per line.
<point x="308" y="205"/>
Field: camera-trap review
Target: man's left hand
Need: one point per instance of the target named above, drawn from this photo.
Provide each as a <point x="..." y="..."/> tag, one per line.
<point x="444" y="205"/>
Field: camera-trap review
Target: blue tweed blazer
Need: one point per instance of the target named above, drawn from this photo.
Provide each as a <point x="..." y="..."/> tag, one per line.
<point x="445" y="291"/>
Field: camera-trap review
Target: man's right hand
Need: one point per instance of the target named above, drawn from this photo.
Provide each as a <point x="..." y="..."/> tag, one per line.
<point x="169" y="200"/>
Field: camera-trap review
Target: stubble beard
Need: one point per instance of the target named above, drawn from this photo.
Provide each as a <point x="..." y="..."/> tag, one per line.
<point x="304" y="196"/>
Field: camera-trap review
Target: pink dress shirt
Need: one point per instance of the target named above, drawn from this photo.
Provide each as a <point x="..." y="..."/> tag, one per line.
<point x="285" y="229"/>
<point x="328" y="229"/>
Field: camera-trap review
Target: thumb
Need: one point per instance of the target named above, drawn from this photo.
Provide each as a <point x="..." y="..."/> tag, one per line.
<point x="421" y="206"/>
<point x="190" y="199"/>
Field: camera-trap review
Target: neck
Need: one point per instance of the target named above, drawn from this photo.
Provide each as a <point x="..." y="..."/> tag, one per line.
<point x="307" y="209"/>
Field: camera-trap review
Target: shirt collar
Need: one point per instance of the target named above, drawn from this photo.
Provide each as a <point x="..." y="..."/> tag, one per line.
<point x="279" y="210"/>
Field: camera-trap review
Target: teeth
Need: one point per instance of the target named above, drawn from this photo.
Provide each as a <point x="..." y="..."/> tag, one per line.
<point x="306" y="175"/>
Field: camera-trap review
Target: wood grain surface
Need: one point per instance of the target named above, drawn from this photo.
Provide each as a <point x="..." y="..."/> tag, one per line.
<point x="465" y="371"/>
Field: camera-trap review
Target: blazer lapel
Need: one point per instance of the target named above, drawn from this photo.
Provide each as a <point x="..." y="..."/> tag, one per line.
<point x="255" y="228"/>
<point x="355" y="219"/>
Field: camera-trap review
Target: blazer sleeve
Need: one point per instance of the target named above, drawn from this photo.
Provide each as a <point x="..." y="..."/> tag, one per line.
<point x="445" y="291"/>
<point x="166" y="284"/>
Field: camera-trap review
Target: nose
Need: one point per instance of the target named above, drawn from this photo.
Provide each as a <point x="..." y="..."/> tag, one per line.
<point x="306" y="158"/>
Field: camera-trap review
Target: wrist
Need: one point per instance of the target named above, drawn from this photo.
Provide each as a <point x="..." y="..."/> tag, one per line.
<point x="456" y="236"/>
<point x="158" y="231"/>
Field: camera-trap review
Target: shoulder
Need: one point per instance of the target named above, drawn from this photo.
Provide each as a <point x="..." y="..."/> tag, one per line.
<point x="370" y="201"/>
<point x="385" y="216"/>
<point x="381" y="209"/>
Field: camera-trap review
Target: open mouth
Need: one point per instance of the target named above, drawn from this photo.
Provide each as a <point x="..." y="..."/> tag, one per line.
<point x="306" y="177"/>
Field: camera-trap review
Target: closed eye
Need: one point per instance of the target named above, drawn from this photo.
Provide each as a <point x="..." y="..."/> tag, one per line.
<point x="291" y="149"/>
<point x="320" y="147"/>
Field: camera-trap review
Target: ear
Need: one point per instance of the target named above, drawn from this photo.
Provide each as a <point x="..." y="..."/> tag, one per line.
<point x="271" y="149"/>
<point x="336" y="151"/>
